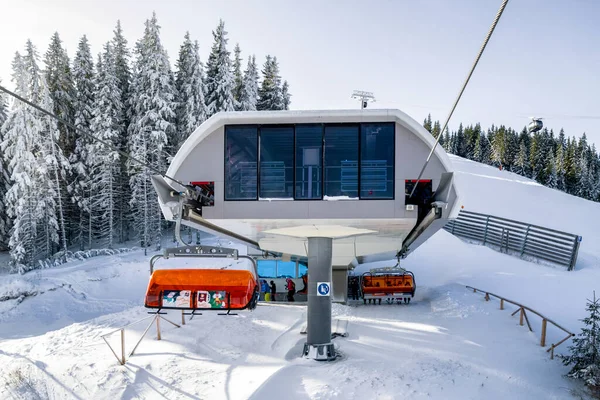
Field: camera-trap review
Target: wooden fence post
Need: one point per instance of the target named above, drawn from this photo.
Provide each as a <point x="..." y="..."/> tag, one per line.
<point x="502" y="304"/>
<point x="543" y="341"/>
<point x="487" y="297"/>
<point x="182" y="318"/>
<point x="122" y="346"/>
<point x="525" y="240"/>
<point x="521" y="317"/>
<point x="158" y="326"/>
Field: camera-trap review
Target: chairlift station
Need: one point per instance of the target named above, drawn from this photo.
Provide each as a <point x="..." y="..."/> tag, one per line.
<point x="328" y="187"/>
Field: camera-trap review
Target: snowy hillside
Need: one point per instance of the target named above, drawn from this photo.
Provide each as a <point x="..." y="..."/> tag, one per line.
<point x="447" y="344"/>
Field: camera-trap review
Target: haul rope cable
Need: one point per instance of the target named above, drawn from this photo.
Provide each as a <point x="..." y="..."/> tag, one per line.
<point x="90" y="135"/>
<point x="485" y="42"/>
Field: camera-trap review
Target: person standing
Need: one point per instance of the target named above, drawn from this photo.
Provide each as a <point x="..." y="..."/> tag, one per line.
<point x="291" y="288"/>
<point x="273" y="290"/>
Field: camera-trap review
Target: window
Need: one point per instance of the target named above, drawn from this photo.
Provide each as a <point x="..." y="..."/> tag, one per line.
<point x="377" y="161"/>
<point x="341" y="161"/>
<point x="267" y="269"/>
<point x="241" y="155"/>
<point x="278" y="269"/>
<point x="302" y="269"/>
<point x="309" y="161"/>
<point x="286" y="269"/>
<point x="276" y="162"/>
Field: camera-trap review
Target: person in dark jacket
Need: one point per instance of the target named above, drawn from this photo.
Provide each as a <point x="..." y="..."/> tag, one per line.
<point x="354" y="288"/>
<point x="273" y="290"/>
<point x="291" y="288"/>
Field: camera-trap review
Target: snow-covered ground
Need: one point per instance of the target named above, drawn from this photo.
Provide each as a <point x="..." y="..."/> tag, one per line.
<point x="447" y="344"/>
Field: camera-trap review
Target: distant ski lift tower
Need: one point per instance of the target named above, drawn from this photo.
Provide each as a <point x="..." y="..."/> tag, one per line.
<point x="364" y="97"/>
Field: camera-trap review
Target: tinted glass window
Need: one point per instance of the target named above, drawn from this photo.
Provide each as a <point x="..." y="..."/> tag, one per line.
<point x="267" y="269"/>
<point x="286" y="269"/>
<point x="309" y="164"/>
<point x="377" y="161"/>
<point x="241" y="154"/>
<point x="276" y="162"/>
<point x="302" y="269"/>
<point x="341" y="161"/>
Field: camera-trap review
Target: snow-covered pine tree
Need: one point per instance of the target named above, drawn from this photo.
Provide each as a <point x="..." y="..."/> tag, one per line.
<point x="521" y="163"/>
<point x="62" y="91"/>
<point x="286" y="95"/>
<point x="551" y="174"/>
<point x="560" y="166"/>
<point x="80" y="188"/>
<point x="238" y="77"/>
<point x="220" y="81"/>
<point x="584" y="186"/>
<point x="477" y="149"/>
<point x="571" y="166"/>
<point x="585" y="351"/>
<point x="105" y="163"/>
<point x="189" y="83"/>
<point x="269" y="93"/>
<point x="4" y="181"/>
<point x="250" y="86"/>
<point x="152" y="129"/>
<point x="53" y="170"/>
<point x="18" y="149"/>
<point x="59" y="79"/>
<point x="447" y="141"/>
<point x="427" y="124"/>
<point x="436" y="132"/>
<point x="123" y="73"/>
<point x="499" y="147"/>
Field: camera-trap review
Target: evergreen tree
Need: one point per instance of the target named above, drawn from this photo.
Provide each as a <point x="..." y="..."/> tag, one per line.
<point x="123" y="73"/>
<point x="585" y="351"/>
<point x="571" y="165"/>
<point x="552" y="176"/>
<point x="104" y="162"/>
<point x="53" y="172"/>
<point x="237" y="74"/>
<point x="191" y="111"/>
<point x="499" y="147"/>
<point x="62" y="90"/>
<point x="18" y="150"/>
<point x="220" y="81"/>
<point x="151" y="129"/>
<point x="447" y="141"/>
<point x="427" y="124"/>
<point x="584" y="186"/>
<point x="477" y="149"/>
<point x="560" y="165"/>
<point x="250" y="86"/>
<point x="436" y="132"/>
<point x="270" y="92"/>
<point x="83" y="77"/>
<point x="521" y="166"/>
<point x="4" y="181"/>
<point x="286" y="95"/>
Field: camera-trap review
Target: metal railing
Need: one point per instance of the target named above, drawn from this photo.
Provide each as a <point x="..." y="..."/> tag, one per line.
<point x="523" y="316"/>
<point x="517" y="238"/>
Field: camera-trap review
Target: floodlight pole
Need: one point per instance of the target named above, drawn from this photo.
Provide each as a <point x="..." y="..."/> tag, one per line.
<point x="364" y="97"/>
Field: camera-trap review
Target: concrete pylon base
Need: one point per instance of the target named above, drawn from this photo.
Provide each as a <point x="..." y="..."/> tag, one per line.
<point x="319" y="352"/>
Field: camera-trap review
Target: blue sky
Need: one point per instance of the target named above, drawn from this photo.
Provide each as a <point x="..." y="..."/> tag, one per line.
<point x="543" y="59"/>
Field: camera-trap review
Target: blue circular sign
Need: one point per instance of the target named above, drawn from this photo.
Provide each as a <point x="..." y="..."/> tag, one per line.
<point x="323" y="289"/>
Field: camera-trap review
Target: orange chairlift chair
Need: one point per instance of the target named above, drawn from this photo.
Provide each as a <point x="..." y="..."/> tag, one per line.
<point x="388" y="283"/>
<point x="202" y="289"/>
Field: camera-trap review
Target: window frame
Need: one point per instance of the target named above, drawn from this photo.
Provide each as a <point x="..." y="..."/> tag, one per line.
<point x="225" y="159"/>
<point x="258" y="130"/>
<point x="393" y="124"/>
<point x="323" y="127"/>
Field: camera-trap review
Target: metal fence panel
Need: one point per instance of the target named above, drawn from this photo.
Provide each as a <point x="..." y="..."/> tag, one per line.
<point x="520" y="238"/>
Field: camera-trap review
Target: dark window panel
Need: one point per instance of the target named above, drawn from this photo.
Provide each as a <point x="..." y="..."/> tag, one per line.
<point x="276" y="162"/>
<point x="309" y="163"/>
<point x="241" y="156"/>
<point x="377" y="161"/>
<point x="341" y="161"/>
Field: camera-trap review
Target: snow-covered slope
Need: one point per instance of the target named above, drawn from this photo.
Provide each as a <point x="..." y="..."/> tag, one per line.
<point x="447" y="344"/>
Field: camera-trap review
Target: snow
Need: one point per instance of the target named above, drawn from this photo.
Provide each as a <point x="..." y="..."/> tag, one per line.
<point x="449" y="343"/>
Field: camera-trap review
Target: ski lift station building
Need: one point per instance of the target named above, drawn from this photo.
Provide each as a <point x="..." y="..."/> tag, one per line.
<point x="274" y="179"/>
